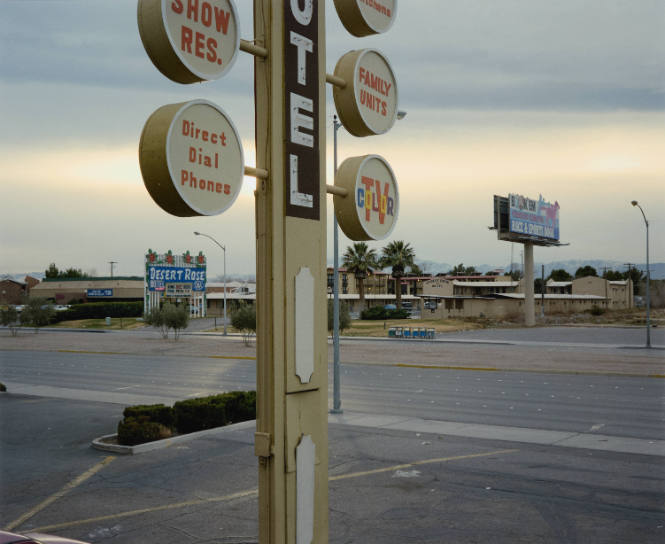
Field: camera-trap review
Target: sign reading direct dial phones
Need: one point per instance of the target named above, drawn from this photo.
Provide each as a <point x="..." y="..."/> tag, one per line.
<point x="190" y="40"/>
<point x="191" y="159"/>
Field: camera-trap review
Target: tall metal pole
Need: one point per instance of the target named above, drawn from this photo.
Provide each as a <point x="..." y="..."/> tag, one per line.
<point x="646" y="222"/>
<point x="224" y="291"/>
<point x="337" y="402"/>
<point x="224" y="250"/>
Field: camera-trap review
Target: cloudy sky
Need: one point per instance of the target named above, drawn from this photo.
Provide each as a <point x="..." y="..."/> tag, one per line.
<point x="564" y="99"/>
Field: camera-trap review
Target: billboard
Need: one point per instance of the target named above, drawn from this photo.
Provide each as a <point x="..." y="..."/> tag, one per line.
<point x="160" y="276"/>
<point x="537" y="218"/>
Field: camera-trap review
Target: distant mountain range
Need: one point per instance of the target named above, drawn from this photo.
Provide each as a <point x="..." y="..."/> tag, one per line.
<point x="434" y="267"/>
<point x="570" y="266"/>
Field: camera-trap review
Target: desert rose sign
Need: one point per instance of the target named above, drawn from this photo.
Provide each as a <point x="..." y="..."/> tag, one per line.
<point x="191" y="159"/>
<point x="369" y="211"/>
<point x="366" y="17"/>
<point x="190" y="40"/>
<point x="367" y="105"/>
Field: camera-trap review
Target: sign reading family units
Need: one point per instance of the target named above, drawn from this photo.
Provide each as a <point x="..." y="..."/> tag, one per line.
<point x="367" y="104"/>
<point x="369" y="212"/>
<point x="365" y="17"/>
<point x="190" y="40"/>
<point x="191" y="159"/>
<point x="536" y="218"/>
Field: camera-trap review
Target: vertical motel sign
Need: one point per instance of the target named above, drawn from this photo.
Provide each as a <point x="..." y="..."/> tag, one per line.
<point x="197" y="40"/>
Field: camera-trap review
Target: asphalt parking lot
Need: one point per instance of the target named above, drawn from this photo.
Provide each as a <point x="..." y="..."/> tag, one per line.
<point x="386" y="486"/>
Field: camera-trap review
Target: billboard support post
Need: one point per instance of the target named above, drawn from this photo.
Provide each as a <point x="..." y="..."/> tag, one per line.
<point x="529" y="303"/>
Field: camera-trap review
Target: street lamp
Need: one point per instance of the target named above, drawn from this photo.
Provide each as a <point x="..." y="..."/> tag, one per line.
<point x="224" y="250"/>
<point x="635" y="203"/>
<point x="337" y="403"/>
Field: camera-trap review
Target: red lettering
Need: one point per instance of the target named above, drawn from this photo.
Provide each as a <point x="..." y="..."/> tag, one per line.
<point x="211" y="186"/>
<point x="185" y="128"/>
<point x="176" y="6"/>
<point x="183" y="177"/>
<point x="186" y="39"/>
<point x="384" y="108"/>
<point x="212" y="50"/>
<point x="227" y="189"/>
<point x="202" y="184"/>
<point x="218" y="187"/>
<point x="198" y="51"/>
<point x="206" y="14"/>
<point x="222" y="20"/>
<point x="192" y="154"/>
<point x="193" y="10"/>
<point x="380" y="197"/>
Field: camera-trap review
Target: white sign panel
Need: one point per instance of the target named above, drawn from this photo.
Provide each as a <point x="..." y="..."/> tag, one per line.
<point x="190" y="40"/>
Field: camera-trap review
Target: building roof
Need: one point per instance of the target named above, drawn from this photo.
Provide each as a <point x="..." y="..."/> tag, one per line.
<point x="552" y="283"/>
<point x="486" y="283"/>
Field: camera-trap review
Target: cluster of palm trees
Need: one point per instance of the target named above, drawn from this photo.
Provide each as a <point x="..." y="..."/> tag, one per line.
<point x="360" y="261"/>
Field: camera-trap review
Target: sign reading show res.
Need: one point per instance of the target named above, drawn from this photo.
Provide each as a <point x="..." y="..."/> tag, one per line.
<point x="190" y="40"/>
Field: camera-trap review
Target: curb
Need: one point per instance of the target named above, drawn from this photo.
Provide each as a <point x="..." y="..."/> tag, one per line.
<point x="101" y="443"/>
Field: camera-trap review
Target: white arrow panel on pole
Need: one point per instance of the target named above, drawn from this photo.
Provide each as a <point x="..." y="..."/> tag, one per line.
<point x="304" y="293"/>
<point x="305" y="458"/>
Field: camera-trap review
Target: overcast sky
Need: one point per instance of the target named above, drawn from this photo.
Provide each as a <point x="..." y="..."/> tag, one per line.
<point x="564" y="99"/>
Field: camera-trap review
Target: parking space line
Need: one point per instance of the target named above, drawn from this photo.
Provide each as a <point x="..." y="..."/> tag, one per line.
<point x="418" y="463"/>
<point x="59" y="494"/>
<point x="254" y="492"/>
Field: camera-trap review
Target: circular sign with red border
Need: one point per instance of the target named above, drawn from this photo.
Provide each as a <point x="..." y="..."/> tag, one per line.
<point x="366" y="17"/>
<point x="367" y="104"/>
<point x="190" y="40"/>
<point x="191" y="159"/>
<point x="369" y="210"/>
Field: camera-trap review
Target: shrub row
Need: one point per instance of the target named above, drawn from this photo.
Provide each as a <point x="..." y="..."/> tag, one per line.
<point x="100" y="310"/>
<point x="379" y="312"/>
<point x="145" y="423"/>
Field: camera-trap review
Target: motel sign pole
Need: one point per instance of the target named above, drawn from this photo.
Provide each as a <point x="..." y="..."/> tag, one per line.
<point x="291" y="429"/>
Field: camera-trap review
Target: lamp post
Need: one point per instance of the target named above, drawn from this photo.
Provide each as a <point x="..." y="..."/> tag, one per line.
<point x="635" y="203"/>
<point x="337" y="402"/>
<point x="224" y="250"/>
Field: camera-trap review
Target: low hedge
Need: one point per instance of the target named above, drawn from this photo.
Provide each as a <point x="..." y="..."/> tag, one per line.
<point x="137" y="430"/>
<point x="100" y="310"/>
<point x="159" y="413"/>
<point x="380" y="313"/>
<point x="148" y="422"/>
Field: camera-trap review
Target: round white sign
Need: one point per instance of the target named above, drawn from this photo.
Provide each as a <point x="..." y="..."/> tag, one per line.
<point x="190" y="40"/>
<point x="191" y="159"/>
<point x="365" y="17"/>
<point x="367" y="105"/>
<point x="369" y="211"/>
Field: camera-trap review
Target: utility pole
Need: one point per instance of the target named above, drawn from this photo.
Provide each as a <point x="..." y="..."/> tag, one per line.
<point x="112" y="263"/>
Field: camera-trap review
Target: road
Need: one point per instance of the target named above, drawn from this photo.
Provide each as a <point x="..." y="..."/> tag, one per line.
<point x="418" y="480"/>
<point x="411" y="383"/>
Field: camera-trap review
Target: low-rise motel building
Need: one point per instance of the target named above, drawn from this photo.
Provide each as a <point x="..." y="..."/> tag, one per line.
<point x="443" y="296"/>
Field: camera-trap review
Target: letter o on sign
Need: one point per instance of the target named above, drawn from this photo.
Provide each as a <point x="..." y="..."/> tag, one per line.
<point x="367" y="105"/>
<point x="370" y="209"/>
<point x="190" y="41"/>
<point x="191" y="159"/>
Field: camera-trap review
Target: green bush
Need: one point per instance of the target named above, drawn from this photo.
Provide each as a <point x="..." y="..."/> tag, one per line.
<point x="2" y="387"/>
<point x="380" y="313"/>
<point x="215" y="411"/>
<point x="148" y="422"/>
<point x="159" y="413"/>
<point x="596" y="310"/>
<point x="100" y="310"/>
<point x="137" y="430"/>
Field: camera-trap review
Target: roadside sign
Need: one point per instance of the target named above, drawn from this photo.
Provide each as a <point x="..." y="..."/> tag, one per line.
<point x="190" y="40"/>
<point x="367" y="104"/>
<point x="366" y="17"/>
<point x="369" y="211"/>
<point x="191" y="159"/>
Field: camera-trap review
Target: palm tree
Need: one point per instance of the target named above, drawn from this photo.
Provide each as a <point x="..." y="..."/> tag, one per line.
<point x="398" y="255"/>
<point x="359" y="261"/>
